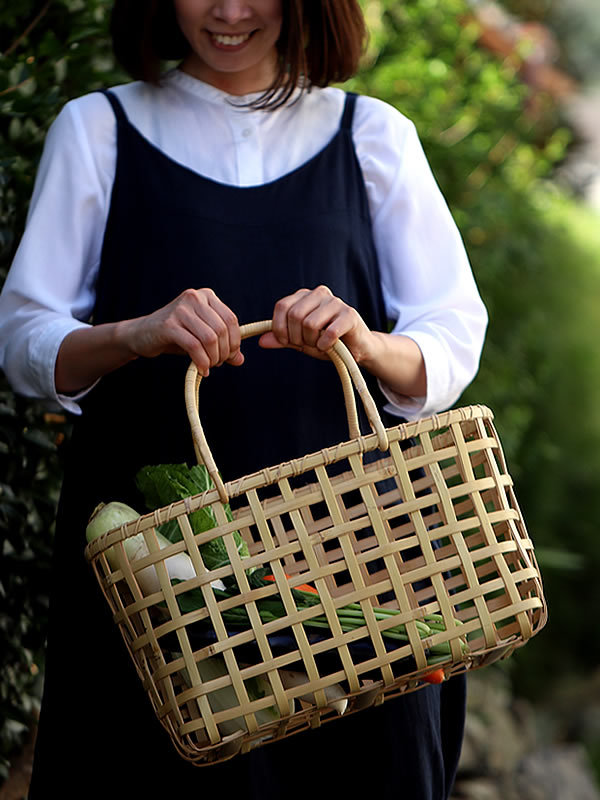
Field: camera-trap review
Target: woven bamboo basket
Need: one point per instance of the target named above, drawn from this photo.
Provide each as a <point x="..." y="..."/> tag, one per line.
<point x="430" y="529"/>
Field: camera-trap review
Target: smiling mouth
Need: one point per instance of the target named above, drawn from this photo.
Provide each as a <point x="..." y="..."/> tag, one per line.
<point x="230" y="40"/>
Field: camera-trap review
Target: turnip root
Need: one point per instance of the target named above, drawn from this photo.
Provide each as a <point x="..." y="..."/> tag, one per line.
<point x="334" y="694"/>
<point x="111" y="515"/>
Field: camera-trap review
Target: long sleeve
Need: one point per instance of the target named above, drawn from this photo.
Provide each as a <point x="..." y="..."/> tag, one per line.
<point x="49" y="290"/>
<point x="427" y="281"/>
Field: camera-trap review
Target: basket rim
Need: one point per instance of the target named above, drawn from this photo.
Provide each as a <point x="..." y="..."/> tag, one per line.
<point x="271" y="474"/>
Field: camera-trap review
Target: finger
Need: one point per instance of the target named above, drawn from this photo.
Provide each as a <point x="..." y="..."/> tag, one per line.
<point x="327" y="323"/>
<point x="210" y="334"/>
<point x="231" y="321"/>
<point x="304" y="314"/>
<point x="269" y="342"/>
<point x="308" y="315"/>
<point x="181" y="341"/>
<point x="342" y="321"/>
<point x="237" y="359"/>
<point x="212" y="323"/>
<point x="280" y="315"/>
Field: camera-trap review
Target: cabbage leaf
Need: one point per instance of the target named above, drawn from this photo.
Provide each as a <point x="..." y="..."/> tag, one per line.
<point x="163" y="484"/>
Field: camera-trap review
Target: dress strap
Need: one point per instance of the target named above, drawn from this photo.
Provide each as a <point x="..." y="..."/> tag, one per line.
<point x="347" y="116"/>
<point x="116" y="105"/>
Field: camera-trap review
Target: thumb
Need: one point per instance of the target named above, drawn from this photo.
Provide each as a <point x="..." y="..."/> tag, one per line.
<point x="269" y="342"/>
<point x="237" y="359"/>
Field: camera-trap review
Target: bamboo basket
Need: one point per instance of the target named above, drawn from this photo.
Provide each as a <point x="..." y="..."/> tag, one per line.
<point x="431" y="527"/>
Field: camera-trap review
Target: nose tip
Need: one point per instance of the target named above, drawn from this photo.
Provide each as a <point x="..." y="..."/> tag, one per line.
<point x="231" y="11"/>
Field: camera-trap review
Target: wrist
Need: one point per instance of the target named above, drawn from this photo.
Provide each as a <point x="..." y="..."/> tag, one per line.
<point x="397" y="361"/>
<point x="86" y="354"/>
<point x="372" y="353"/>
<point x="122" y="337"/>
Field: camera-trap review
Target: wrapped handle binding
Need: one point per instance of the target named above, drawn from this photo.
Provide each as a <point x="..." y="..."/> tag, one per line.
<point x="350" y="376"/>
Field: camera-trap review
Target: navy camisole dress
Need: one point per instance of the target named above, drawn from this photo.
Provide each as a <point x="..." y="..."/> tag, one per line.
<point x="169" y="229"/>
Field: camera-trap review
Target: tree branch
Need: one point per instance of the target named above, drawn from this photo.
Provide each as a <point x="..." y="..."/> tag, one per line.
<point x="28" y="29"/>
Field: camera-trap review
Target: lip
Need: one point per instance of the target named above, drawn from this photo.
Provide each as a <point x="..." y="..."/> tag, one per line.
<point x="228" y="46"/>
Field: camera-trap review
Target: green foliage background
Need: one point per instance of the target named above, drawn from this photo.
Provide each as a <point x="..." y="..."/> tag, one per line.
<point x="51" y="52"/>
<point x="535" y="254"/>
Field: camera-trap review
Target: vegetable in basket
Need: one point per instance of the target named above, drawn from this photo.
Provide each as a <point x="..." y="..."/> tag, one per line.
<point x="223" y="699"/>
<point x="167" y="483"/>
<point x="111" y="515"/>
<point x="107" y="516"/>
<point x="335" y="695"/>
<point x="163" y="484"/>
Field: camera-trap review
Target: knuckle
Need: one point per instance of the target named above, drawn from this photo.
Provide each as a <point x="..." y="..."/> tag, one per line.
<point x="189" y="295"/>
<point x="209" y="337"/>
<point x="296" y="315"/>
<point x="311" y="325"/>
<point x="219" y="327"/>
<point x="282" y="304"/>
<point x="230" y="319"/>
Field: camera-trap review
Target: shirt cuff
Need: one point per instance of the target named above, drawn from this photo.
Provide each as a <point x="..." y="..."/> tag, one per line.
<point x="439" y="395"/>
<point x="400" y="405"/>
<point x="42" y="354"/>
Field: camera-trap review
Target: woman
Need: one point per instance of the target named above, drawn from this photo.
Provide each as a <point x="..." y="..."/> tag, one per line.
<point x="244" y="173"/>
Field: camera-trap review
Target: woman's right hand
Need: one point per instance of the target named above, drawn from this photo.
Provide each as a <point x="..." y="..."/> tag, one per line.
<point x="196" y="323"/>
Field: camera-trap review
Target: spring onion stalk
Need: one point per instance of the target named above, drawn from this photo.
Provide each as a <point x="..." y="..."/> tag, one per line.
<point x="350" y="619"/>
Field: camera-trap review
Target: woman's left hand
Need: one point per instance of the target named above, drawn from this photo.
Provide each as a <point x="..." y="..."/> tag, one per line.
<point x="312" y="320"/>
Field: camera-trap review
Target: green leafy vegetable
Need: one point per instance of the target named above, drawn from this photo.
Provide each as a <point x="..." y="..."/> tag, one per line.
<point x="167" y="483"/>
<point x="164" y="484"/>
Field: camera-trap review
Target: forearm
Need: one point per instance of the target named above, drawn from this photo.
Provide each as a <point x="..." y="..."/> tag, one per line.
<point x="195" y="323"/>
<point x="87" y="354"/>
<point x="396" y="361"/>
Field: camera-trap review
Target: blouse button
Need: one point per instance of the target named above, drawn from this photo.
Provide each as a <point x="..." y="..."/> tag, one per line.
<point x="246" y="133"/>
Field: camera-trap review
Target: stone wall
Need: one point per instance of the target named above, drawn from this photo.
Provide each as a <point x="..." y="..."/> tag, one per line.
<point x="515" y="751"/>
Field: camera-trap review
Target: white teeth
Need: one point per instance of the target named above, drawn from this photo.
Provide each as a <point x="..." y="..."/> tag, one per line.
<point x="230" y="40"/>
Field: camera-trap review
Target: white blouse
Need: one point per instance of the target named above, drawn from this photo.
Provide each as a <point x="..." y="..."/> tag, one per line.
<point x="428" y="286"/>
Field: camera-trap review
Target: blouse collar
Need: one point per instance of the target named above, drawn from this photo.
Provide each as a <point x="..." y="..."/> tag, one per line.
<point x="205" y="91"/>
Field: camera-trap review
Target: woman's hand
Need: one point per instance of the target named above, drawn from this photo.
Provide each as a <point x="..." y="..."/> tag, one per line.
<point x="312" y="320"/>
<point x="196" y="323"/>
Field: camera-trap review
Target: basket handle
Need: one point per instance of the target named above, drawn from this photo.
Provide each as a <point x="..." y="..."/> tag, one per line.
<point x="350" y="376"/>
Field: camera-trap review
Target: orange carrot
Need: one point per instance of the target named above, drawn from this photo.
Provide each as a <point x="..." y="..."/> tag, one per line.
<point x="437" y="676"/>
<point x="304" y="587"/>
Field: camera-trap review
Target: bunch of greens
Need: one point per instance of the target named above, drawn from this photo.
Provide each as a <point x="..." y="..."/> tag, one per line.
<point x="164" y="484"/>
<point x="167" y="483"/>
<point x="350" y="616"/>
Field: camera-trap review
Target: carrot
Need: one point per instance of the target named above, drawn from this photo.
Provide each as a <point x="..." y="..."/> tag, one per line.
<point x="437" y="676"/>
<point x="304" y="587"/>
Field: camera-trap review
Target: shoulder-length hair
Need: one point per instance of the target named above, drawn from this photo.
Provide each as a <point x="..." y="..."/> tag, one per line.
<point x="321" y="43"/>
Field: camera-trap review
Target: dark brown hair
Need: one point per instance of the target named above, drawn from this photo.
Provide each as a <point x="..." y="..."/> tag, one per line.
<point x="321" y="43"/>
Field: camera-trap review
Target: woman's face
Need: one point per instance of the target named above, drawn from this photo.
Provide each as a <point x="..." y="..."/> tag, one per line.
<point x="233" y="42"/>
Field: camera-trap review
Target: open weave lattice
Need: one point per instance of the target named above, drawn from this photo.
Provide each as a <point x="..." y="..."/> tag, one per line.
<point x="429" y="527"/>
<point x="434" y="528"/>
